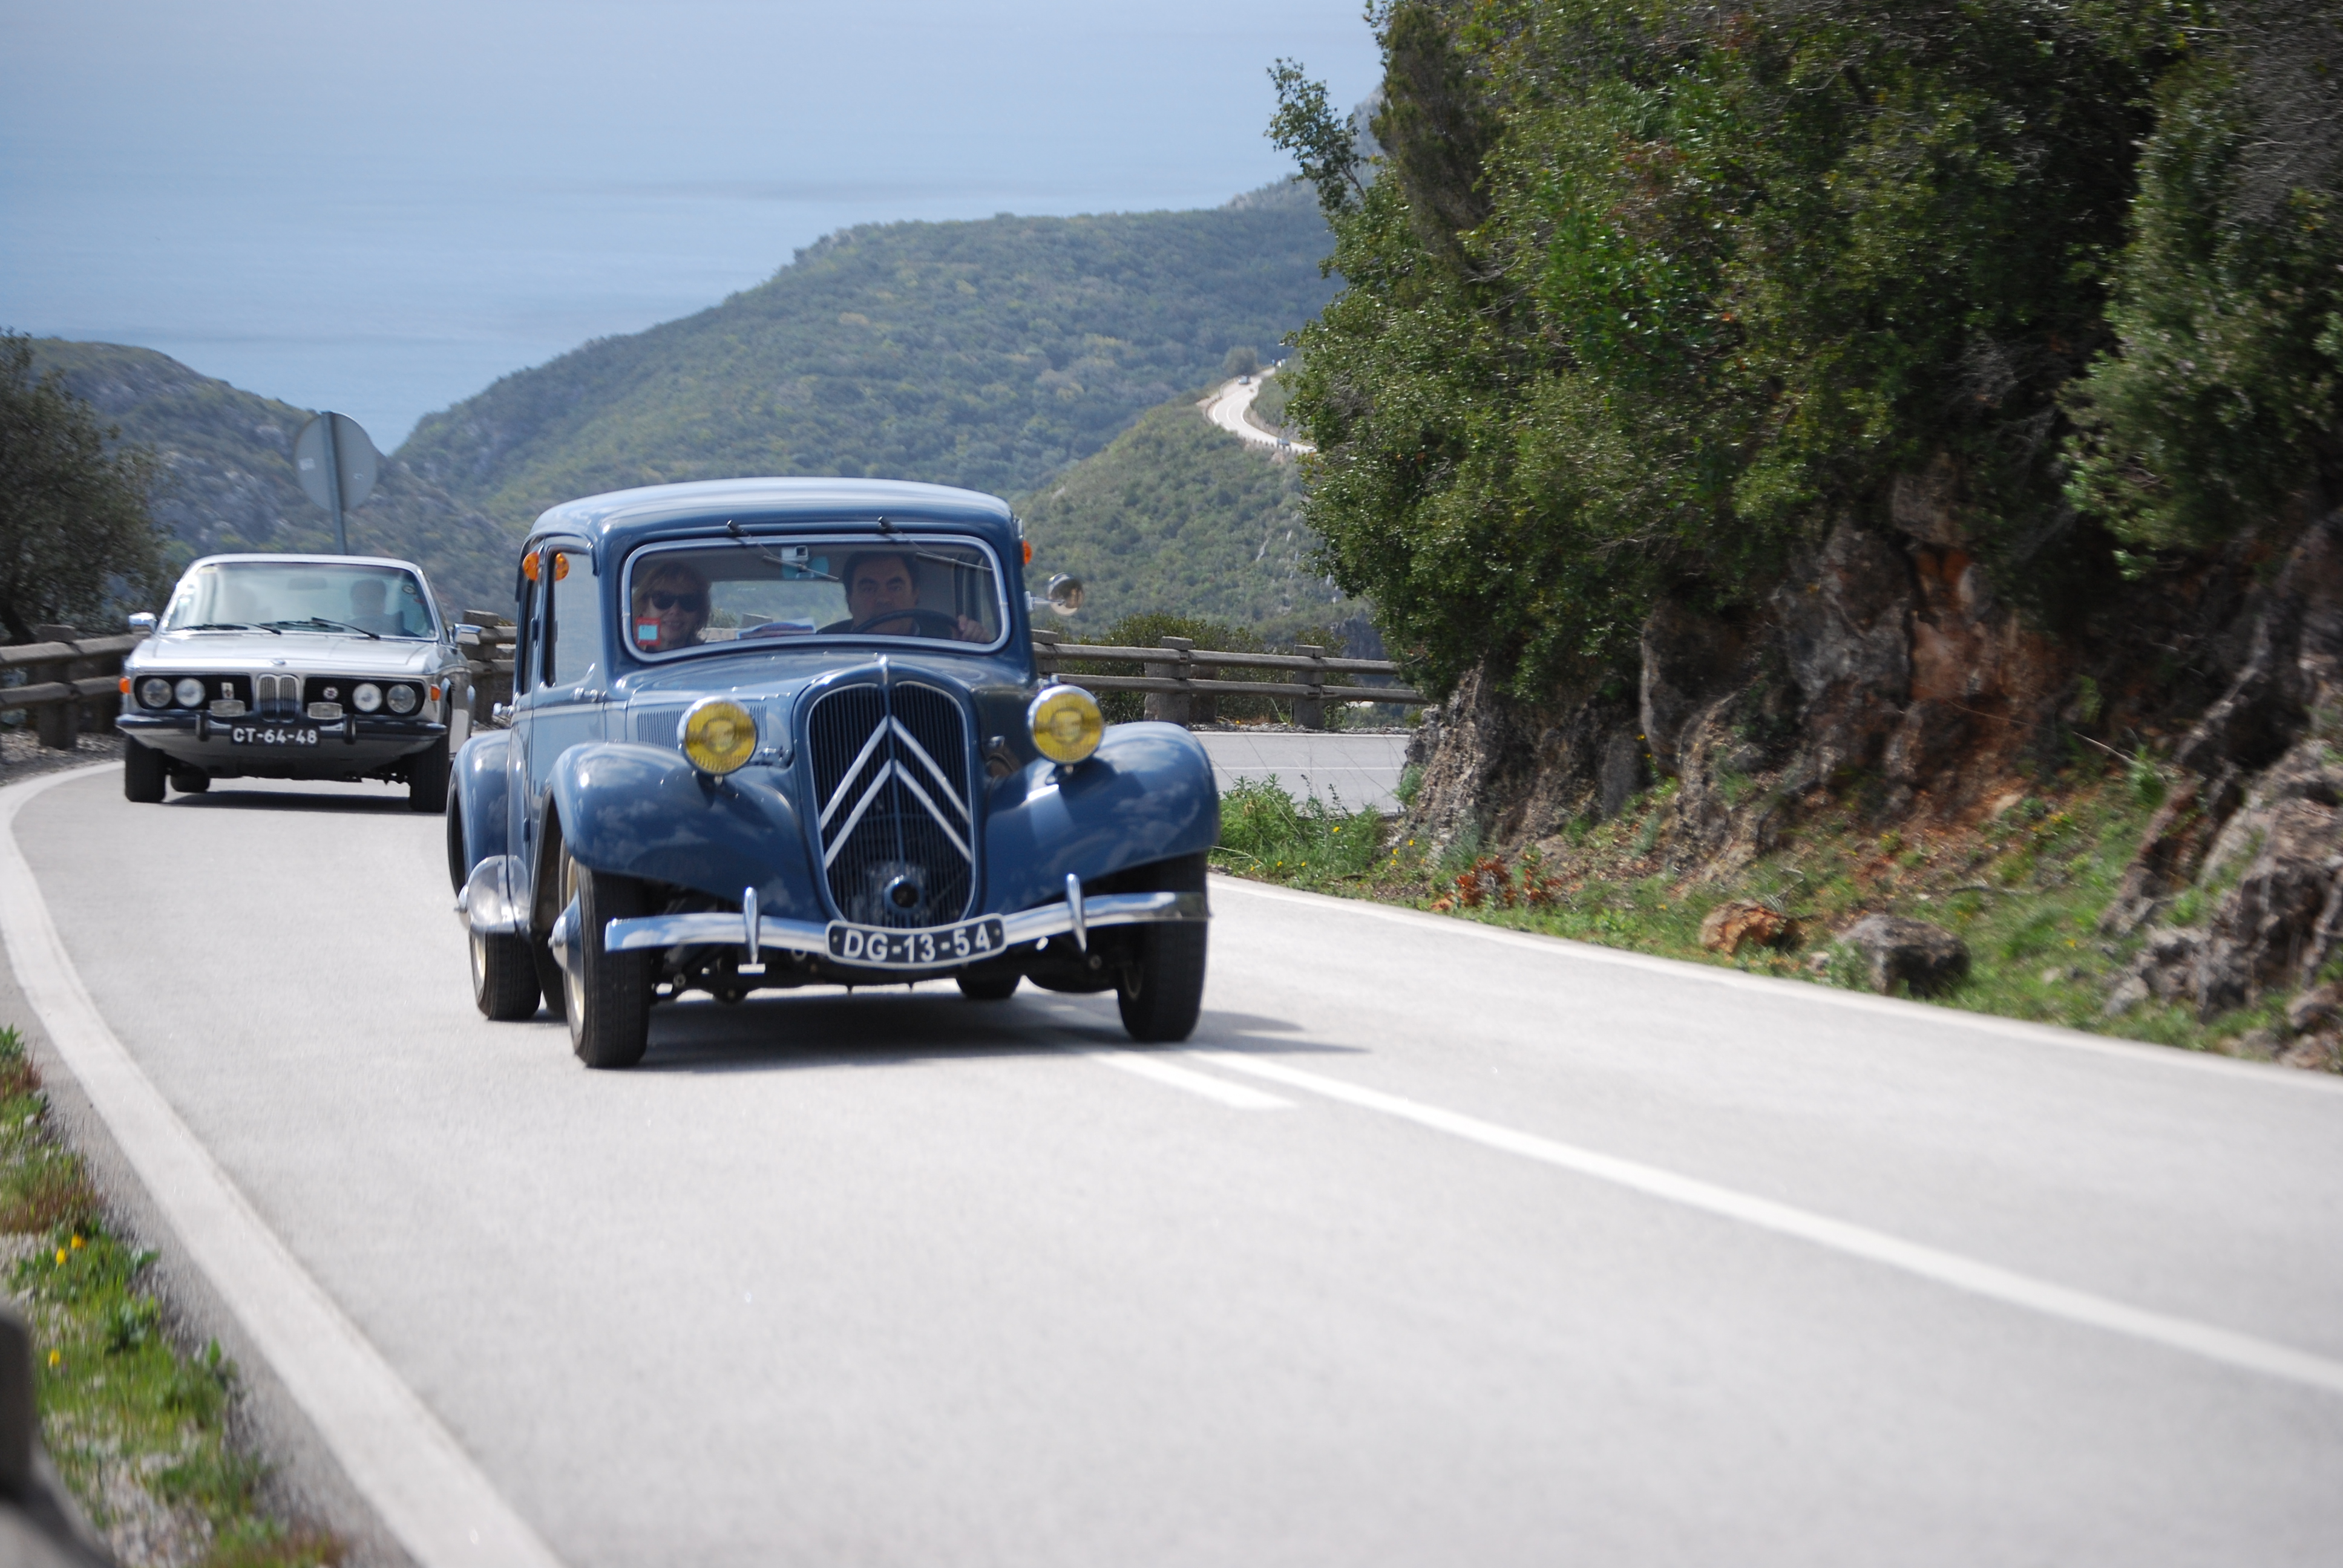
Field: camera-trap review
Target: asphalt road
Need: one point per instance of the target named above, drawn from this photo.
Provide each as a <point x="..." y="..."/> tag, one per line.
<point x="1228" y="409"/>
<point x="1346" y="769"/>
<point x="1440" y="1246"/>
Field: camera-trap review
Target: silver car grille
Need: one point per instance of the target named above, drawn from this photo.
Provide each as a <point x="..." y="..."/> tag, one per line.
<point x="276" y="696"/>
<point x="892" y="789"/>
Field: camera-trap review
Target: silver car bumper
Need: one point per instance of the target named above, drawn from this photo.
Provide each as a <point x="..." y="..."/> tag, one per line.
<point x="491" y="907"/>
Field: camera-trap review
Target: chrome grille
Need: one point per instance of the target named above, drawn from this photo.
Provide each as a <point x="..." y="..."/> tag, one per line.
<point x="277" y="694"/>
<point x="891" y="792"/>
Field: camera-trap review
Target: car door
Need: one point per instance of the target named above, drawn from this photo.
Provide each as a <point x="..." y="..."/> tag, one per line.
<point x="567" y="702"/>
<point x="521" y="828"/>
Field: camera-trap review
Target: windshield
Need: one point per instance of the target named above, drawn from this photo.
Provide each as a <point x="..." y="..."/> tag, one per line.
<point x="302" y="596"/>
<point x="683" y="596"/>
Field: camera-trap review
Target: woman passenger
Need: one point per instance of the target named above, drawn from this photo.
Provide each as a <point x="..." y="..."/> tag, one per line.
<point x="670" y="606"/>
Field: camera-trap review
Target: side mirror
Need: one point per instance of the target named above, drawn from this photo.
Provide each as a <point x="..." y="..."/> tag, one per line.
<point x="466" y="635"/>
<point x="143" y="623"/>
<point x="1065" y="596"/>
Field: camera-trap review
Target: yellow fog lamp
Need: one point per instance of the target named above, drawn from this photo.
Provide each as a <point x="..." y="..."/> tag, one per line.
<point x="719" y="735"/>
<point x="1066" y="723"/>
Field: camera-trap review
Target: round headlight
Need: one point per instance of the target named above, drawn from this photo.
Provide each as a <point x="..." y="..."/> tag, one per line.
<point x="1066" y="723"/>
<point x="719" y="735"/>
<point x="155" y="692"/>
<point x="366" y="695"/>
<point x="403" y="699"/>
<point x="189" y="691"/>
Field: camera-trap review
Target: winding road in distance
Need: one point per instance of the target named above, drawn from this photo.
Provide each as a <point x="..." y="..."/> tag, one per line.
<point x="1437" y="1245"/>
<point x="1228" y="406"/>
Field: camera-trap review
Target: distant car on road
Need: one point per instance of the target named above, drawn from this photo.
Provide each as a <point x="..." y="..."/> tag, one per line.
<point x="783" y="732"/>
<point x="295" y="666"/>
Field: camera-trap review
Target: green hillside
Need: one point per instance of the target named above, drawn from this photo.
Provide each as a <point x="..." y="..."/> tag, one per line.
<point x="987" y="354"/>
<point x="1177" y="517"/>
<point x="225" y="480"/>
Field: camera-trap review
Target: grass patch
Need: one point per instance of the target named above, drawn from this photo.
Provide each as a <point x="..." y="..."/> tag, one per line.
<point x="138" y="1428"/>
<point x="2024" y="888"/>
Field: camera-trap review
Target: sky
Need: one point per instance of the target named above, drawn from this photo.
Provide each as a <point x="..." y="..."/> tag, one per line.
<point x="381" y="208"/>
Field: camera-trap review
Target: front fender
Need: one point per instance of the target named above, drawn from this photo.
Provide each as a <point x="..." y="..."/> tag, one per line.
<point x="481" y="780"/>
<point x="1146" y="794"/>
<point x="644" y="811"/>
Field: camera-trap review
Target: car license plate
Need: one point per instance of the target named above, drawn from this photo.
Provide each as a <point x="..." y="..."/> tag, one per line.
<point x="943" y="945"/>
<point x="272" y="735"/>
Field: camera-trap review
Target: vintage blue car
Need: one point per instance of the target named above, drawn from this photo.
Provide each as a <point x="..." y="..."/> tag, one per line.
<point x="788" y="732"/>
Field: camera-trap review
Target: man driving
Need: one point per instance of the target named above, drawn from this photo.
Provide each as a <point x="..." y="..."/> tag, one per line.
<point x="669" y="604"/>
<point x="883" y="599"/>
<point x="369" y="607"/>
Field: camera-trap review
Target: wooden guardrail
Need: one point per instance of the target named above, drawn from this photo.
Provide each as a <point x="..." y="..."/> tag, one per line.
<point x="1181" y="688"/>
<point x="491" y="657"/>
<point x="70" y="682"/>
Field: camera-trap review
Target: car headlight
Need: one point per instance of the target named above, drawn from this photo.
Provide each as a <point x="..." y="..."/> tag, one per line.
<point x="368" y="696"/>
<point x="189" y="691"/>
<point x="402" y="699"/>
<point x="719" y="735"/>
<point x="1066" y="723"/>
<point x="155" y="692"/>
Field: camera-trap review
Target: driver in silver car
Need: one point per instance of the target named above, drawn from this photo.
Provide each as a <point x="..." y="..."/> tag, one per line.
<point x="883" y="599"/>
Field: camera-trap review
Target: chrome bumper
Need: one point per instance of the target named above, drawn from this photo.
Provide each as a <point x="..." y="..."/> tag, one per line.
<point x="1026" y="926"/>
<point x="492" y="906"/>
<point x="488" y="903"/>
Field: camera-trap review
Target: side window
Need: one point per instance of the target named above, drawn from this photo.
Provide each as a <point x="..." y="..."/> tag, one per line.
<point x="573" y="633"/>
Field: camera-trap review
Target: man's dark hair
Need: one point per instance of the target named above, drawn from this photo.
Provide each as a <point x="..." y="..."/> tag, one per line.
<point x="855" y="562"/>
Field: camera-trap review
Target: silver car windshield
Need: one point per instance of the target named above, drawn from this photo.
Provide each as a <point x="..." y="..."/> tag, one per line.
<point x="681" y="597"/>
<point x="301" y="596"/>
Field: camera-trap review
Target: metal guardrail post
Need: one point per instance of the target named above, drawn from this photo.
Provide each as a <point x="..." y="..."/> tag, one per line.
<point x="1310" y="712"/>
<point x="1045" y="652"/>
<point x="1172" y="707"/>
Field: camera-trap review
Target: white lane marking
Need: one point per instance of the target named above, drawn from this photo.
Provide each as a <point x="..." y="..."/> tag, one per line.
<point x="1235" y="1096"/>
<point x="2266" y="1074"/>
<point x="422" y="1484"/>
<point x="1962" y="1274"/>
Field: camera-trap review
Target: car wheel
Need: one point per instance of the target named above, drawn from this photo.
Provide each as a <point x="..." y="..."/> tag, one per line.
<point x="190" y="781"/>
<point x="607" y="995"/>
<point x="504" y="978"/>
<point x="1163" y="986"/>
<point x="142" y="771"/>
<point x="987" y="987"/>
<point x="426" y="779"/>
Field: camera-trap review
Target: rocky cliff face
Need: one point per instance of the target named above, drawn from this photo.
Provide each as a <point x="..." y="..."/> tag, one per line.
<point x="227" y="480"/>
<point x="1888" y="671"/>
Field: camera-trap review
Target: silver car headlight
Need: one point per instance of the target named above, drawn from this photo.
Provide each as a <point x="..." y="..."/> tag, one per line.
<point x="155" y="692"/>
<point x="368" y="696"/>
<point x="402" y="699"/>
<point x="189" y="691"/>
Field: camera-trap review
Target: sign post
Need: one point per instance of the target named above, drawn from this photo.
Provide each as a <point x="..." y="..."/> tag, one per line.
<point x="337" y="466"/>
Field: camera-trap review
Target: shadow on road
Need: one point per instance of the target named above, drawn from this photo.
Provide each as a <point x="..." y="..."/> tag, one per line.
<point x="895" y="1029"/>
<point x="219" y="800"/>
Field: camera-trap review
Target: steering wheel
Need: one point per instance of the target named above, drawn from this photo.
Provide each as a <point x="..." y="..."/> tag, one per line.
<point x="929" y="623"/>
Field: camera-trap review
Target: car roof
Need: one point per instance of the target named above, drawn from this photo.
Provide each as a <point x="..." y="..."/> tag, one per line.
<point x="278" y="557"/>
<point x="615" y="521"/>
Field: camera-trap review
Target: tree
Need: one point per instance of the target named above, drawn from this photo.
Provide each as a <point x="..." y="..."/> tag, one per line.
<point x="75" y="534"/>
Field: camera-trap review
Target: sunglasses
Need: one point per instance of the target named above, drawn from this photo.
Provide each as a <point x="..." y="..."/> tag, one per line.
<point x="692" y="603"/>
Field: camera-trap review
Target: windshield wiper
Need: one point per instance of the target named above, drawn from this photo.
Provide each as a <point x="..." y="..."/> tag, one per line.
<point x="328" y="625"/>
<point x="229" y="626"/>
